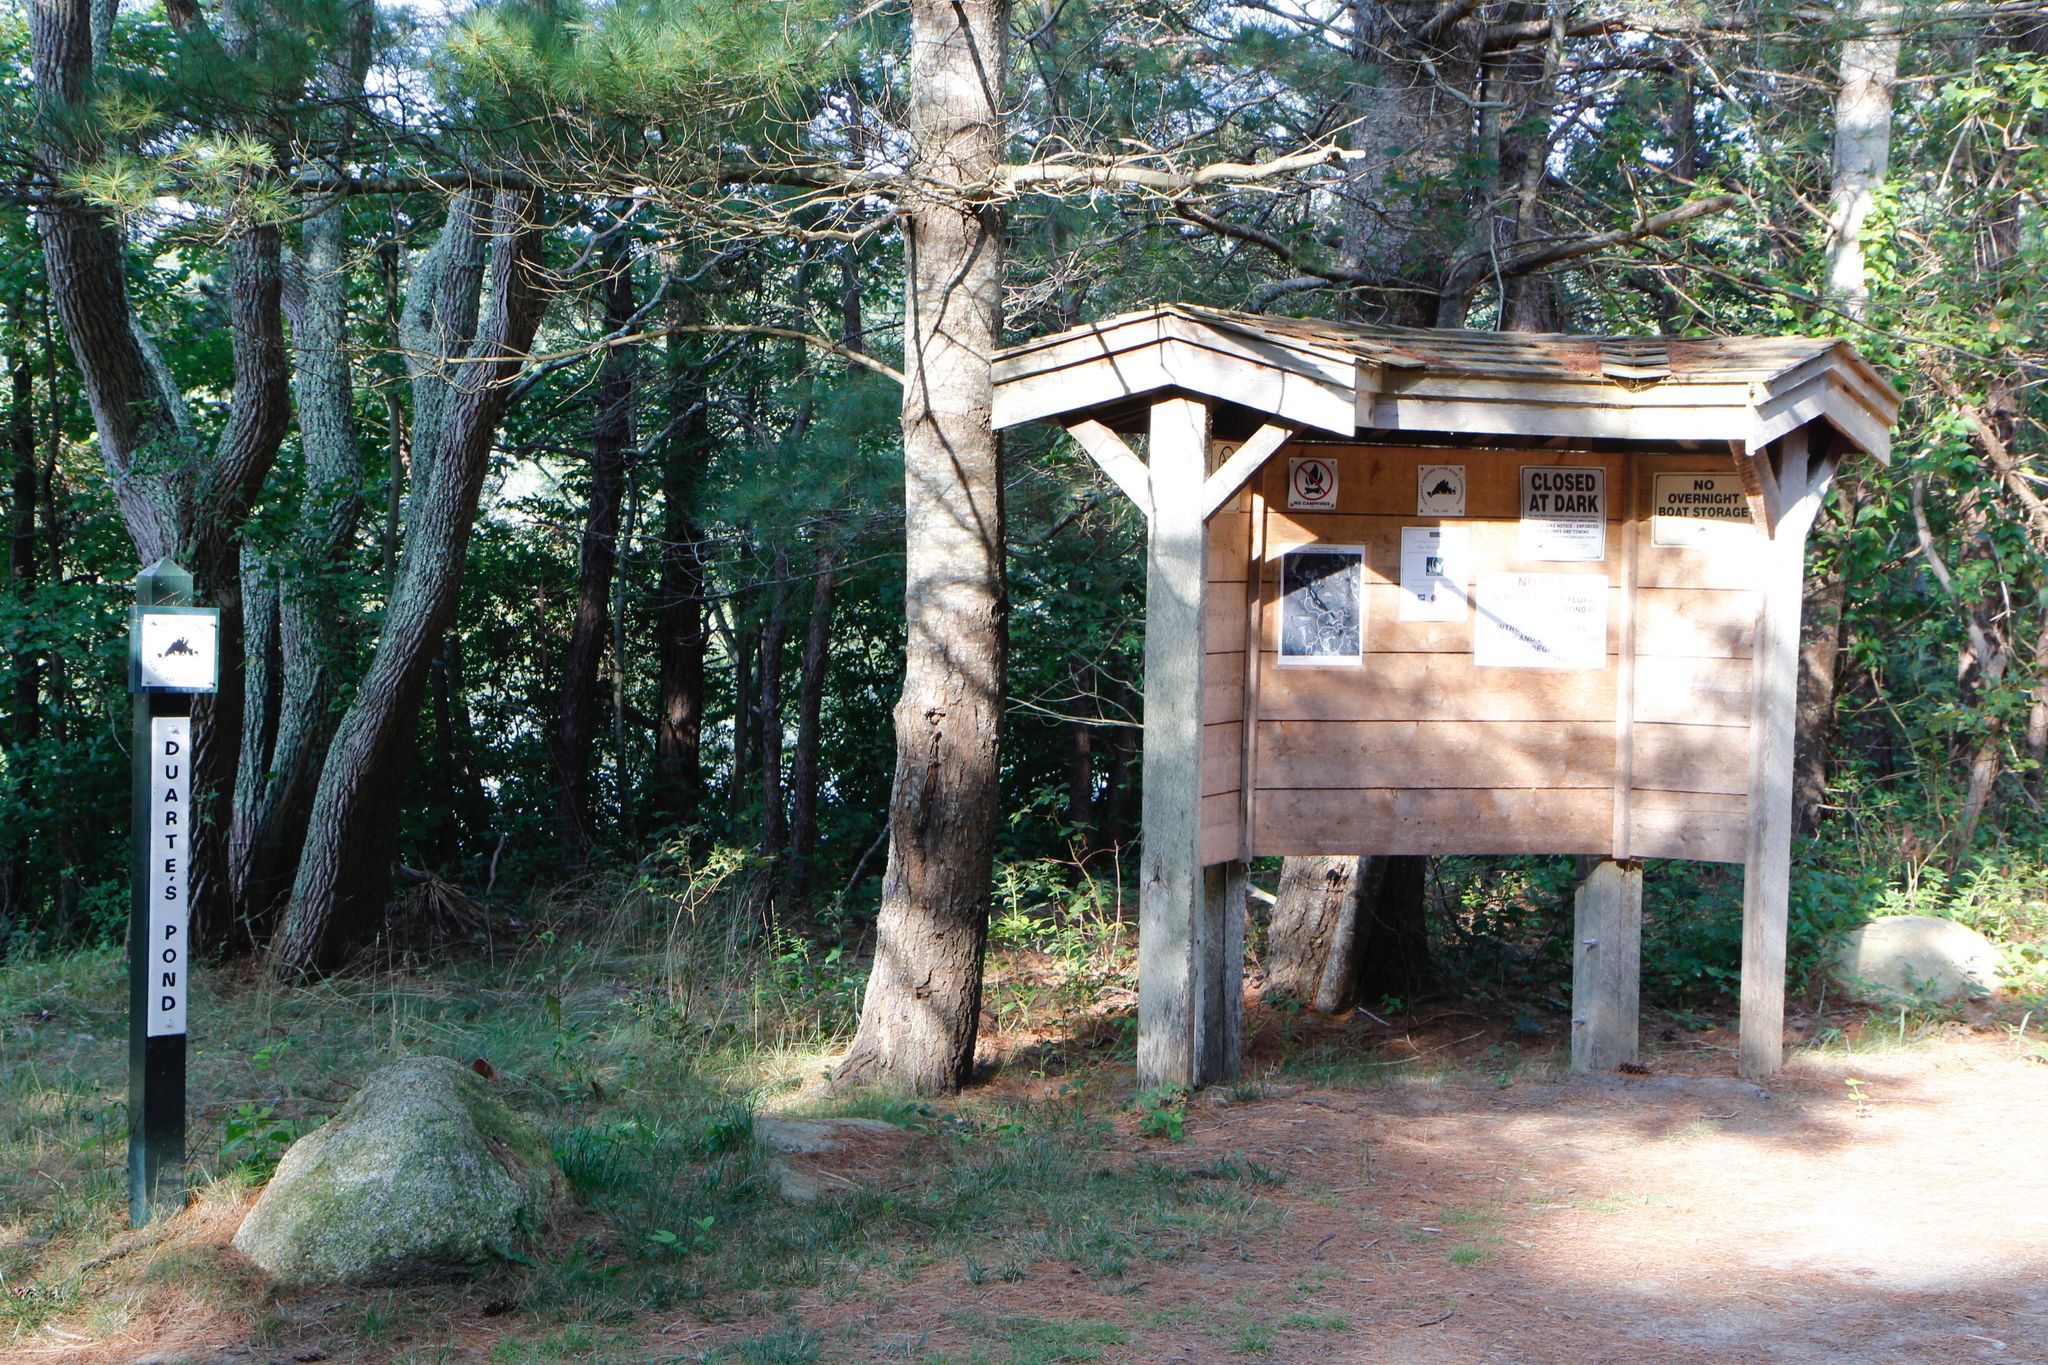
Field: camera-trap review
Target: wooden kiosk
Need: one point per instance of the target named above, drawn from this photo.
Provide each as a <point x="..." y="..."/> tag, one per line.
<point x="1457" y="592"/>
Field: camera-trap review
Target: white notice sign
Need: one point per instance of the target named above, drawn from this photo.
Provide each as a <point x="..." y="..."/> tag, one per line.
<point x="179" y="651"/>
<point x="164" y="848"/>
<point x="1540" y="620"/>
<point x="1312" y="485"/>
<point x="1564" y="513"/>
<point x="1436" y="581"/>
<point x="1699" y="511"/>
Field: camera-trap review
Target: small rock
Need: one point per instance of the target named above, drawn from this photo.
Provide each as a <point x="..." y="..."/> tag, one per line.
<point x="814" y="1142"/>
<point x="424" y="1172"/>
<point x="1917" y="958"/>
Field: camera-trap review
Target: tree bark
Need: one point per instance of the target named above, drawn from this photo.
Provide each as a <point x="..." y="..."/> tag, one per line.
<point x="1318" y="933"/>
<point x="176" y="499"/>
<point x="610" y="447"/>
<point x="344" y="875"/>
<point x="1862" y="158"/>
<point x="679" y="609"/>
<point x="804" y="762"/>
<point x="24" y="729"/>
<point x="922" y="1006"/>
<point x="768" y="709"/>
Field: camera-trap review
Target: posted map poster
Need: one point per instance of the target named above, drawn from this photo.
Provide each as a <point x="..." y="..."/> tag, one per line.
<point x="1564" y="513"/>
<point x="1322" y="605"/>
<point x="1540" y="620"/>
<point x="1436" y="580"/>
<point x="1699" y="511"/>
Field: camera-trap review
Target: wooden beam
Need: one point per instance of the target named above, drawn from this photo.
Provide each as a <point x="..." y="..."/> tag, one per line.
<point x="1236" y="471"/>
<point x="1117" y="460"/>
<point x="1607" y="966"/>
<point x="1767" y="850"/>
<point x="1188" y="917"/>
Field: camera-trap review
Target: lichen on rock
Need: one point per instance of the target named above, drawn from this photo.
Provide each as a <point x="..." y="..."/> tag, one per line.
<point x="424" y="1172"/>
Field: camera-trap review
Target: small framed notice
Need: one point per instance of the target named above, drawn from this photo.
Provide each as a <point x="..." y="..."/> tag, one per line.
<point x="1322" y="606"/>
<point x="1699" y="512"/>
<point x="1564" y="513"/>
<point x="1436" y="580"/>
<point x="174" y="649"/>
<point x="1540" y="620"/>
<point x="1440" y="490"/>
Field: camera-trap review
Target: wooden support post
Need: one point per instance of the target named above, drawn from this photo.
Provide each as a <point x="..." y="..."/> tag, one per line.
<point x="1607" y="966"/>
<point x="1190" y="918"/>
<point x="1767" y="860"/>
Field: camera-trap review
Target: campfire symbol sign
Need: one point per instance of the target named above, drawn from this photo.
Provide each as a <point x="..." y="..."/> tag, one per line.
<point x="1312" y="484"/>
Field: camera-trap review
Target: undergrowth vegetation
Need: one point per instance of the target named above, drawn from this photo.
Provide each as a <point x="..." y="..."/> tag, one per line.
<point x="645" y="1022"/>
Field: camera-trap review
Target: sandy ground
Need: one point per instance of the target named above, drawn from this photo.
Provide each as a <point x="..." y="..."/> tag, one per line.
<point x="1681" y="1216"/>
<point x="1674" y="1217"/>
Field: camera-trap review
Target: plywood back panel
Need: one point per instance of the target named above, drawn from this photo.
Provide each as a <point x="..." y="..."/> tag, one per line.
<point x="1417" y="749"/>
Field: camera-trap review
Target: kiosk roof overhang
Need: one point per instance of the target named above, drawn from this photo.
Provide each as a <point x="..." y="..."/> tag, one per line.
<point x="1350" y="380"/>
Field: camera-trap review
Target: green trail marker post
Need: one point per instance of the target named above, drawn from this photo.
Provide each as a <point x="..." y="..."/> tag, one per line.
<point x="173" y="654"/>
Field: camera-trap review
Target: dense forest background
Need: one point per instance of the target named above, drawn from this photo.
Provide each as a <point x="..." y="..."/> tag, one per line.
<point x="524" y="382"/>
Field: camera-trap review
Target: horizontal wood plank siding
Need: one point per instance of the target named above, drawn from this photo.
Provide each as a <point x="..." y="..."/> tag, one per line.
<point x="1416" y="820"/>
<point x="1222" y="757"/>
<point x="1308" y="754"/>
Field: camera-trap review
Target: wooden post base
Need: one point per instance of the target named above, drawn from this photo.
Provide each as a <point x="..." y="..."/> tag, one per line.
<point x="1607" y="966"/>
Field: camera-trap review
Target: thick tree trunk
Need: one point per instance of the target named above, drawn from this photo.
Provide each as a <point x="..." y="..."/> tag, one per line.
<point x="179" y="501"/>
<point x="1318" y="933"/>
<point x="1404" y="214"/>
<point x="923" y="1001"/>
<point x="344" y="875"/>
<point x="681" y="638"/>
<point x="804" y="763"/>
<point x="303" y="650"/>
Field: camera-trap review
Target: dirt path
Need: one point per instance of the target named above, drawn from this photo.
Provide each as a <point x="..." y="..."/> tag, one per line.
<point x="1680" y="1218"/>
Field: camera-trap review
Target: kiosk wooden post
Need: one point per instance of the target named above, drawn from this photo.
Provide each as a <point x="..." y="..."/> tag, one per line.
<point x="1457" y="592"/>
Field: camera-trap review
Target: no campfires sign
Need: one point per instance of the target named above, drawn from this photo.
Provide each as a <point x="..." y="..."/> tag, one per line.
<point x="1312" y="485"/>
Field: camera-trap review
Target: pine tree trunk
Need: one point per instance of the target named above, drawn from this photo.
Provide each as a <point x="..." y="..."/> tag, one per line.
<point x="679" y="612"/>
<point x="804" y="763"/>
<point x="922" y="1006"/>
<point x="768" y="711"/>
<point x="304" y="648"/>
<point x="17" y="895"/>
<point x="1862" y="159"/>
<point x="344" y="875"/>
<point x="176" y="499"/>
<point x="610" y="445"/>
<point x="1317" y="933"/>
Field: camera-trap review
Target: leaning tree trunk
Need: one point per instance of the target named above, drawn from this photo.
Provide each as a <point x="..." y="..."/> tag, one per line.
<point x="176" y="498"/>
<point x="1317" y="934"/>
<point x="923" y="1001"/>
<point x="296" y="680"/>
<point x="344" y="876"/>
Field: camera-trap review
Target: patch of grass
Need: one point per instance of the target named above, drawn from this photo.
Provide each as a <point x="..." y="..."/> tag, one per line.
<point x="1253" y="1339"/>
<point x="1468" y="1253"/>
<point x="1045" y="1341"/>
<point x="1314" y="1322"/>
<point x="791" y="1347"/>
